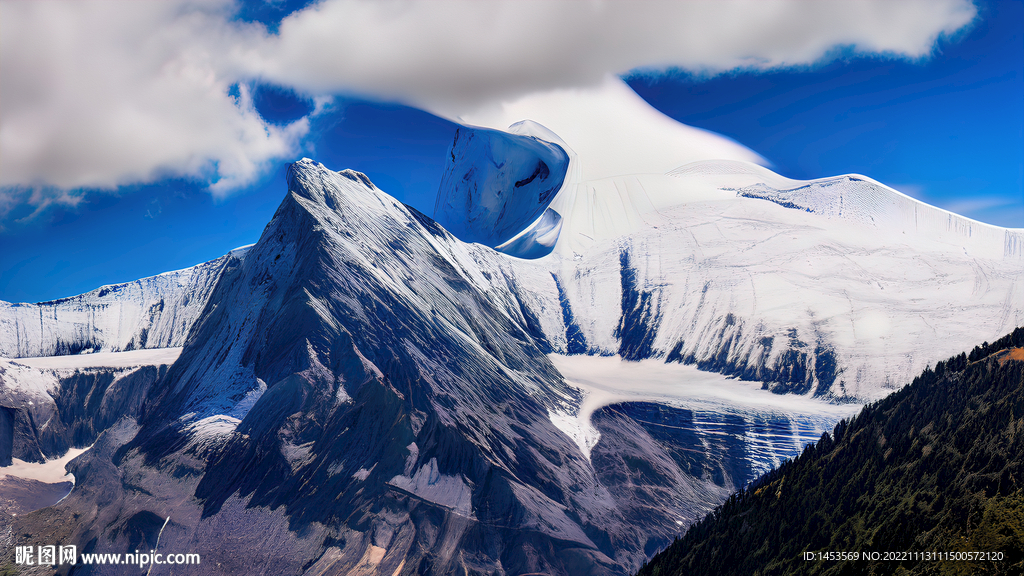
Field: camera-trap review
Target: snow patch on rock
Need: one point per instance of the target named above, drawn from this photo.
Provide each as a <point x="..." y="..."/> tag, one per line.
<point x="428" y="483"/>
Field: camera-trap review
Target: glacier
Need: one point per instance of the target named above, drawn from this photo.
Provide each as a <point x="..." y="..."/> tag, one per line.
<point x="766" y="428"/>
<point x="840" y="287"/>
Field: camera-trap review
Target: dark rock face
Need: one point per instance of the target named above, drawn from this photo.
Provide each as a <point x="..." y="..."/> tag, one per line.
<point x="90" y="401"/>
<point x="576" y="341"/>
<point x="798" y="369"/>
<point x="640" y="316"/>
<point x="35" y="426"/>
<point x="22" y="495"/>
<point x="7" y="417"/>
<point x="353" y="402"/>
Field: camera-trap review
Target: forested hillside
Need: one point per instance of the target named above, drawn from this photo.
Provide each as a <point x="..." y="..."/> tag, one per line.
<point x="933" y="468"/>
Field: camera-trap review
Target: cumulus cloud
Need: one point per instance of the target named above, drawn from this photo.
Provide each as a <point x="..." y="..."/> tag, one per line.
<point x="99" y="94"/>
<point x="109" y="93"/>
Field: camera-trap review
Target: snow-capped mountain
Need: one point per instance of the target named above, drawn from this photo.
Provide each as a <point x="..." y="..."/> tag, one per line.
<point x="362" y="392"/>
<point x="839" y="287"/>
<point x="154" y="312"/>
<point x="374" y="394"/>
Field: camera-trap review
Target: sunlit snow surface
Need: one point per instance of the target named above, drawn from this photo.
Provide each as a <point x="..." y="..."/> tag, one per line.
<point x="839" y="287"/>
<point x="743" y="270"/>
<point x="51" y="471"/>
<point x="149" y="357"/>
<point x="154" y="312"/>
<point x="771" y="426"/>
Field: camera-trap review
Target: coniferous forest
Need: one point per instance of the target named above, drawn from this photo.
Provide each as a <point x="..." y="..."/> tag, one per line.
<point x="933" y="468"/>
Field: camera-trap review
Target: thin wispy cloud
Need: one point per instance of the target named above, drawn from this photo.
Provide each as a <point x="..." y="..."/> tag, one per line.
<point x="981" y="207"/>
<point x="103" y="94"/>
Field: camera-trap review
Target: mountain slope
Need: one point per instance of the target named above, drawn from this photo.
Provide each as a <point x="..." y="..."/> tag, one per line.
<point x="662" y="252"/>
<point x="154" y="312"/>
<point x="375" y="396"/>
<point x="44" y="411"/>
<point x="936" y="466"/>
<point x="839" y="287"/>
<point x="364" y="393"/>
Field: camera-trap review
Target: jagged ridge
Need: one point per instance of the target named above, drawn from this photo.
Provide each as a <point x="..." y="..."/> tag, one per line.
<point x="379" y="386"/>
<point x="154" y="312"/>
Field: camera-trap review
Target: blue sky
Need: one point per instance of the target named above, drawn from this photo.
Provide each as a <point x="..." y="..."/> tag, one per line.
<point x="947" y="128"/>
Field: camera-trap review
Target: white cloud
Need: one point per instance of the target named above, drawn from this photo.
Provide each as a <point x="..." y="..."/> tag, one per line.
<point x="38" y="200"/>
<point x="452" y="56"/>
<point x="106" y="93"/>
<point x="998" y="210"/>
<point x="101" y="94"/>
